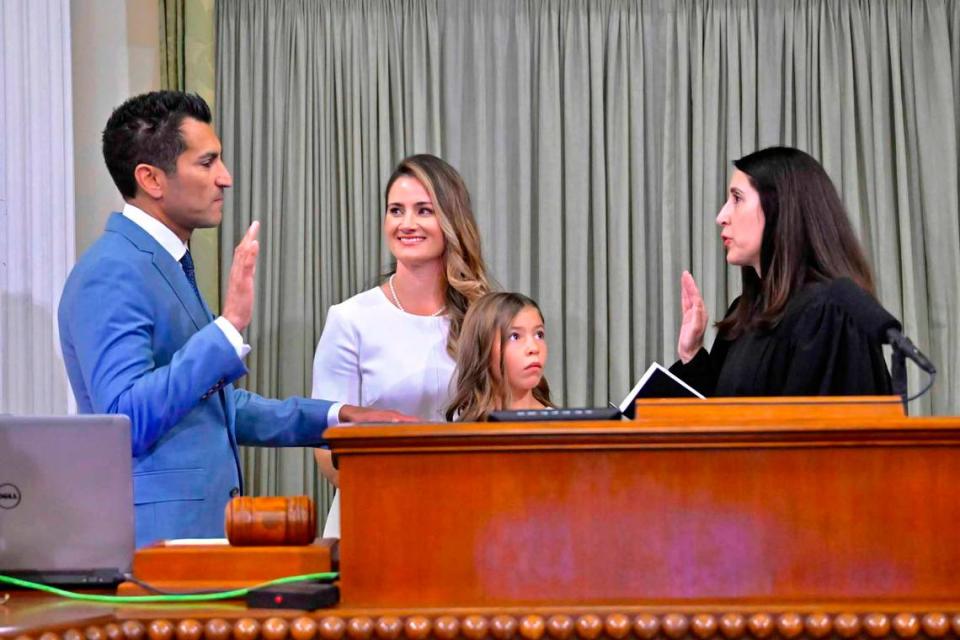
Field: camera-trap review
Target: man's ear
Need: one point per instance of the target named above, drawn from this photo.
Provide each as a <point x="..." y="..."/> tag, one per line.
<point x="151" y="180"/>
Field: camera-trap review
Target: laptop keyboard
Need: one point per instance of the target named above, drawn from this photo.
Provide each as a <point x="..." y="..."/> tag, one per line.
<point x="73" y="578"/>
<point x="539" y="415"/>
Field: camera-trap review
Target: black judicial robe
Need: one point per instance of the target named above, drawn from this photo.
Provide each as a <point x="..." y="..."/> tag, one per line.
<point x="815" y="349"/>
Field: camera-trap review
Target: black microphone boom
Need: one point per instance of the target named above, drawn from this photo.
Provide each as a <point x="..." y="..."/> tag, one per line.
<point x="903" y="344"/>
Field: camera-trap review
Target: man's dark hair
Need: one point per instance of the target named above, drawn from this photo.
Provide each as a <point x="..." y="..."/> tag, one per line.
<point x="146" y="130"/>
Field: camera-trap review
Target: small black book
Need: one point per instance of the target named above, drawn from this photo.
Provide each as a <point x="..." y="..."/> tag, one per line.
<point x="656" y="382"/>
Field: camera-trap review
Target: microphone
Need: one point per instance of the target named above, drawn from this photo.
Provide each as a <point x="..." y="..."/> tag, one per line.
<point x="876" y="321"/>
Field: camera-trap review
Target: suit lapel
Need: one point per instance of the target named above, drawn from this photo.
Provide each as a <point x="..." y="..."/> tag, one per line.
<point x="174" y="275"/>
<point x="169" y="268"/>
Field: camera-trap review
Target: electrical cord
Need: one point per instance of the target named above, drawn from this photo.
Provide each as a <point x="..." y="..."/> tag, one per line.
<point x="931" y="377"/>
<point x="146" y="586"/>
<point x="162" y="596"/>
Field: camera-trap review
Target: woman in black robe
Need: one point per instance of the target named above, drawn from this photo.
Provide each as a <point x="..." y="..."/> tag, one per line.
<point x="789" y="332"/>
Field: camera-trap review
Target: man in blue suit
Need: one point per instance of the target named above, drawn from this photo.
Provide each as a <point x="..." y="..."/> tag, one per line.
<point x="138" y="338"/>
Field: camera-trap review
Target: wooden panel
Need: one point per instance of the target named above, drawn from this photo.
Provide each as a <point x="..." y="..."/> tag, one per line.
<point x="222" y="566"/>
<point x="818" y="411"/>
<point x="594" y="513"/>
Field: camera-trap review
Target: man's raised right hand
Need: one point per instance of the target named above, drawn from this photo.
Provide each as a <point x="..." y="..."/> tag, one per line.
<point x="238" y="303"/>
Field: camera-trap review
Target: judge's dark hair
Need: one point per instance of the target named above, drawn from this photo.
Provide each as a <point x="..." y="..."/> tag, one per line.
<point x="807" y="237"/>
<point x="146" y="130"/>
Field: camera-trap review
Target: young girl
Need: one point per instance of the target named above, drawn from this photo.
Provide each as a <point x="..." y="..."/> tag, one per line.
<point x="500" y="360"/>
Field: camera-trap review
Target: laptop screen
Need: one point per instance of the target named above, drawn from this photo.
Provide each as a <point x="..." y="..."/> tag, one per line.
<point x="66" y="496"/>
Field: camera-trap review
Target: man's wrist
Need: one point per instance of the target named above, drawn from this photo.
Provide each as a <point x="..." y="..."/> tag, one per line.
<point x="234" y="321"/>
<point x="333" y="414"/>
<point x="233" y="336"/>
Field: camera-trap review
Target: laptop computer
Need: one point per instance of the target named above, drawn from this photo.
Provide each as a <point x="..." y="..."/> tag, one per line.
<point x="66" y="498"/>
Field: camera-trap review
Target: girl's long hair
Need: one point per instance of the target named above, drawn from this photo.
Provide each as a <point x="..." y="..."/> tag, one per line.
<point x="807" y="237"/>
<point x="464" y="269"/>
<point x="478" y="390"/>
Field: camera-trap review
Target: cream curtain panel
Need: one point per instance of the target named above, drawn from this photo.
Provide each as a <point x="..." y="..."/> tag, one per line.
<point x="596" y="137"/>
<point x="37" y="224"/>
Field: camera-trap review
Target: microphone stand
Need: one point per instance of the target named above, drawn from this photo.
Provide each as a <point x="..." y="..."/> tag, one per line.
<point x="898" y="375"/>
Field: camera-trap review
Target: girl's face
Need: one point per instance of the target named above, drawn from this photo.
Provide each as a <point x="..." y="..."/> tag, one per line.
<point x="525" y="352"/>
<point x="410" y="225"/>
<point x="741" y="223"/>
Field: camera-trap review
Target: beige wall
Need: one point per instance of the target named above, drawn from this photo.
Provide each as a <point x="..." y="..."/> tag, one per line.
<point x="116" y="54"/>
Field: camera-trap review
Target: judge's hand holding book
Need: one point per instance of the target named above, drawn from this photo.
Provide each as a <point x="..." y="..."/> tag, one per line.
<point x="694" y="322"/>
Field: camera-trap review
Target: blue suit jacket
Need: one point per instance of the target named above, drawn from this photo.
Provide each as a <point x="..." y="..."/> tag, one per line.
<point x="137" y="340"/>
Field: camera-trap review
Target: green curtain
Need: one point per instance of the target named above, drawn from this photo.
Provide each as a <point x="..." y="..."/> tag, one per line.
<point x="172" y="45"/>
<point x="596" y="137"/>
<point x="187" y="64"/>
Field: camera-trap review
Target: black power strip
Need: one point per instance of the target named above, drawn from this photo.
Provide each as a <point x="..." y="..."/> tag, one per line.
<point x="305" y="596"/>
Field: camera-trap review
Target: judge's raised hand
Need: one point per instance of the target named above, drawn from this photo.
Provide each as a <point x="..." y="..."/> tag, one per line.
<point x="694" y="319"/>
<point x="238" y="303"/>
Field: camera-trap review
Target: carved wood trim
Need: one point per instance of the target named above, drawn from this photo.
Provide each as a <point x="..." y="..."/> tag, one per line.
<point x="615" y="625"/>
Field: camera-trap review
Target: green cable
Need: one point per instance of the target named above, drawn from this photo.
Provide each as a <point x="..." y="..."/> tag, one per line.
<point x="205" y="597"/>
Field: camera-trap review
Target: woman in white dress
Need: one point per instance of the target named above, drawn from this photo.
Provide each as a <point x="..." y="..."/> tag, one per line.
<point x="393" y="346"/>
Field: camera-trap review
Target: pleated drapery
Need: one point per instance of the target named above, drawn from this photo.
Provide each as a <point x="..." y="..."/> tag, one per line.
<point x="596" y="138"/>
<point x="36" y="203"/>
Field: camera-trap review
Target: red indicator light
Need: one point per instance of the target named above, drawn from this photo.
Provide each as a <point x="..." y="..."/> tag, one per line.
<point x="278" y="599"/>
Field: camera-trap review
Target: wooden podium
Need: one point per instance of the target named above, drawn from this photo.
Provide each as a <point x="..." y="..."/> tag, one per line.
<point x="799" y="502"/>
<point x="741" y="519"/>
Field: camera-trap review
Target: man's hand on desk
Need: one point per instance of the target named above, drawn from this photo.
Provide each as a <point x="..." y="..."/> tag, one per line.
<point x="350" y="413"/>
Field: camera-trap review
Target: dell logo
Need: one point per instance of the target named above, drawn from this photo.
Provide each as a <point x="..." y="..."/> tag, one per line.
<point x="9" y="496"/>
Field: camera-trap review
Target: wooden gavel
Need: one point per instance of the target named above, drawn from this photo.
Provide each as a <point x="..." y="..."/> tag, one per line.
<point x="269" y="521"/>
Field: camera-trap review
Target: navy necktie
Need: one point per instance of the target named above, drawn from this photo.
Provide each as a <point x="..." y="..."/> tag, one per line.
<point x="187" y="263"/>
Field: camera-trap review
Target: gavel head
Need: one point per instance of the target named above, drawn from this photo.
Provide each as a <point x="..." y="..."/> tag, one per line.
<point x="270" y="521"/>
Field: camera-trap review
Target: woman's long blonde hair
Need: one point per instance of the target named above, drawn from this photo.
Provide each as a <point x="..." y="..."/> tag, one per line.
<point x="478" y="390"/>
<point x="464" y="269"/>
